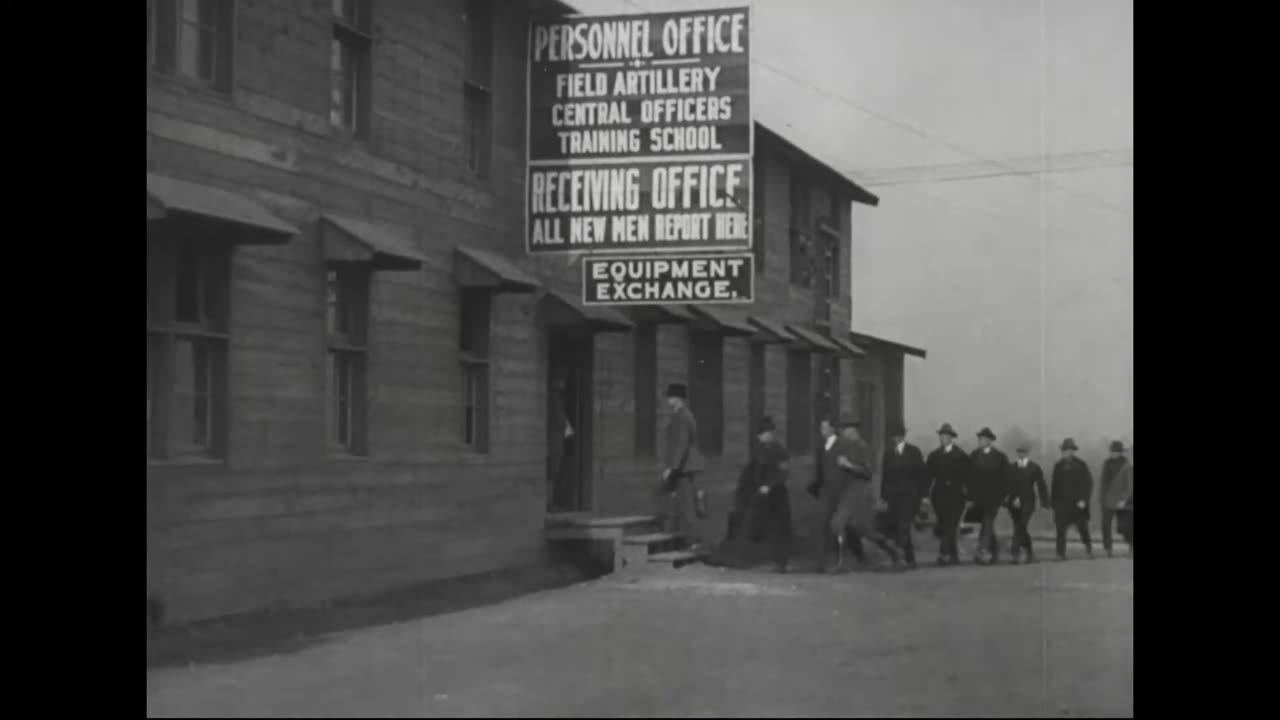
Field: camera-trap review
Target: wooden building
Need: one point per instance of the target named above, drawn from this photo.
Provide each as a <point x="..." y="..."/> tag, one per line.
<point x="349" y="356"/>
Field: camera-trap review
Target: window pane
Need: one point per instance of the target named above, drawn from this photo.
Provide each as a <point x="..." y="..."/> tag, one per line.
<point x="470" y="392"/>
<point x="192" y="418"/>
<point x="338" y="92"/>
<point x="331" y="307"/>
<point x="341" y="376"/>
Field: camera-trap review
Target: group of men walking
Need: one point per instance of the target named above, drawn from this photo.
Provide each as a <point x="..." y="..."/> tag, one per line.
<point x="960" y="486"/>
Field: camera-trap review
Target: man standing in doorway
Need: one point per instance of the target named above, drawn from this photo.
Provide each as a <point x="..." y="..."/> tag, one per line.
<point x="902" y="487"/>
<point x="988" y="478"/>
<point x="680" y="465"/>
<point x="1025" y="480"/>
<point x="560" y="435"/>
<point x="1117" y="487"/>
<point x="767" y="510"/>
<point x="1071" y="489"/>
<point x="948" y="477"/>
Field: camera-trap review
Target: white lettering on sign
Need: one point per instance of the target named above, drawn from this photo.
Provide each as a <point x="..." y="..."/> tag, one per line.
<point x="709" y="279"/>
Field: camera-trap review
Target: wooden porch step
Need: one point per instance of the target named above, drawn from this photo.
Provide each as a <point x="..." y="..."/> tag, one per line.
<point x="649" y="538"/>
<point x="588" y="520"/>
<point x="677" y="558"/>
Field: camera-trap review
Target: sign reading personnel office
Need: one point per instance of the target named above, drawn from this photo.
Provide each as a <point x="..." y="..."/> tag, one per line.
<point x="640" y="133"/>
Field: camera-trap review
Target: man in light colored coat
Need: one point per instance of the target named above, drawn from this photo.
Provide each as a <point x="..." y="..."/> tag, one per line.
<point x="680" y="466"/>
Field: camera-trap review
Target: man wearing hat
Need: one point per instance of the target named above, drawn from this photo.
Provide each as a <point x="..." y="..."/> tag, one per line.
<point x="1070" y="491"/>
<point x="948" y="468"/>
<point x="988" y="488"/>
<point x="680" y="464"/>
<point x="855" y="507"/>
<point x="765" y="503"/>
<point x="825" y="466"/>
<point x="1025" y="480"/>
<point x="1116" y="488"/>
<point x="902" y="487"/>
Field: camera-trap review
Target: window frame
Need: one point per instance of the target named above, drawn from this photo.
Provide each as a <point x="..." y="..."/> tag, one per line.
<point x="165" y="331"/>
<point x="350" y="286"/>
<point x="164" y="44"/>
<point x="800" y="227"/>
<point x="477" y="88"/>
<point x="352" y="37"/>
<point x="475" y="369"/>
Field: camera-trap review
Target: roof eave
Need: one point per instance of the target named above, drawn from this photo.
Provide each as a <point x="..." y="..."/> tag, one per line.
<point x="872" y="340"/>
<point x="856" y="192"/>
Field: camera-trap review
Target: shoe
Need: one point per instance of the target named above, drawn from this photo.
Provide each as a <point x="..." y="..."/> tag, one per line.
<point x="1110" y="554"/>
<point x="1062" y="558"/>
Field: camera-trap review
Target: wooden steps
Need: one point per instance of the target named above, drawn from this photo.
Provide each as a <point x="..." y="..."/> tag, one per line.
<point x="621" y="541"/>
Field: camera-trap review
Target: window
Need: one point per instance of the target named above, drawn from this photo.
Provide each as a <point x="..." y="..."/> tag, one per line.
<point x="867" y="410"/>
<point x="829" y="402"/>
<point x="801" y="257"/>
<point x="191" y="39"/>
<point x="706" y="390"/>
<point x="757" y="211"/>
<point x="799" y="402"/>
<point x="477" y="92"/>
<point x="756" y="376"/>
<point x="351" y="50"/>
<point x="826" y="272"/>
<point x="835" y="213"/>
<point x="646" y="389"/>
<point x="187" y="288"/>
<point x="473" y="348"/>
<point x="347" y="323"/>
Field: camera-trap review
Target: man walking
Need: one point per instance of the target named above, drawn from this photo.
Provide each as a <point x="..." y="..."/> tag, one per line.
<point x="1117" y="487"/>
<point x="680" y="465"/>
<point x="826" y="467"/>
<point x="903" y="487"/>
<point x="854" y="505"/>
<point x="767" y="511"/>
<point x="988" y="478"/>
<point x="948" y="468"/>
<point x="1071" y="489"/>
<point x="1025" y="480"/>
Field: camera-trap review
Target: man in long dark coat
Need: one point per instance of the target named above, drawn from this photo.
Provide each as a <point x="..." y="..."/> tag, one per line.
<point x="1115" y="488"/>
<point x="1070" y="491"/>
<point x="948" y="468"/>
<point x="988" y="488"/>
<point x="766" y="505"/>
<point x="680" y="465"/>
<point x="902" y="487"/>
<point x="1025" y="480"/>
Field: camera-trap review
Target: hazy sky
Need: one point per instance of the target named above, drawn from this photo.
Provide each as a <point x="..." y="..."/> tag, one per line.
<point x="1021" y="293"/>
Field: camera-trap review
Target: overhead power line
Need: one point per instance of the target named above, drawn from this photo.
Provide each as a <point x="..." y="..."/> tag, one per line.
<point x="927" y="174"/>
<point x="918" y="132"/>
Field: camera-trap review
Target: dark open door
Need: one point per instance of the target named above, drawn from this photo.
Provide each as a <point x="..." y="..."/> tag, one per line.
<point x="569" y="405"/>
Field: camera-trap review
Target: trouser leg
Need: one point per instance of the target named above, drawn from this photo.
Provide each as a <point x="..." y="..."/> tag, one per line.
<point x="1108" y="520"/>
<point x="1060" y="528"/>
<point x="1082" y="526"/>
<point x="687" y="509"/>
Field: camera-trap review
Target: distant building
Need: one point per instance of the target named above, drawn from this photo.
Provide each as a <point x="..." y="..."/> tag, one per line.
<point x="349" y="356"/>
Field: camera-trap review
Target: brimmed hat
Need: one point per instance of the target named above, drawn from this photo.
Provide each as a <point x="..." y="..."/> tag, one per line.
<point x="678" y="390"/>
<point x="1117" y="446"/>
<point x="897" y="429"/>
<point x="765" y="425"/>
<point x="946" y="429"/>
<point x="986" y="433"/>
<point x="849" y="421"/>
<point x="1069" y="444"/>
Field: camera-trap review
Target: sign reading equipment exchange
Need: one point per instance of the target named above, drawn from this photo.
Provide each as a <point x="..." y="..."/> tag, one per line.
<point x="702" y="279"/>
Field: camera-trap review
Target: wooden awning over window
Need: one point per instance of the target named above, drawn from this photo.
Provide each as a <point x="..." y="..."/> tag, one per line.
<point x="562" y="310"/>
<point x="662" y="314"/>
<point x="347" y="240"/>
<point x="812" y="340"/>
<point x="770" y="333"/>
<point x="169" y="198"/>
<point x="731" y="323"/>
<point x="848" y="348"/>
<point x="483" y="270"/>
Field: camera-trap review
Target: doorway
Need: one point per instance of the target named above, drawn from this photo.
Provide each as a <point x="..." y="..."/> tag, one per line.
<point x="569" y="420"/>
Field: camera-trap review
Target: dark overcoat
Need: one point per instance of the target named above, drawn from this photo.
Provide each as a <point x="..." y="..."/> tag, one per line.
<point x="988" y="477"/>
<point x="1024" y="484"/>
<point x="948" y="477"/>
<point x="1116" y="483"/>
<point x="1072" y="484"/>
<point x="769" y="513"/>
<point x="905" y="478"/>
